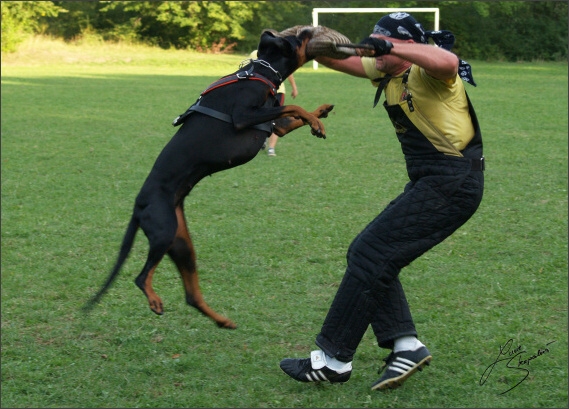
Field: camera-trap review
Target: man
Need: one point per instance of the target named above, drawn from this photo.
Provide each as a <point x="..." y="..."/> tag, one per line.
<point x="441" y="141"/>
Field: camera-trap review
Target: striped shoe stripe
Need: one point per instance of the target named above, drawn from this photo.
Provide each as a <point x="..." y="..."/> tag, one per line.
<point x="316" y="376"/>
<point x="402" y="365"/>
<point x="398" y="371"/>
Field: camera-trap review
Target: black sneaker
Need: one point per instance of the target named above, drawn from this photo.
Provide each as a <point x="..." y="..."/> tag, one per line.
<point x="313" y="369"/>
<point x="401" y="365"/>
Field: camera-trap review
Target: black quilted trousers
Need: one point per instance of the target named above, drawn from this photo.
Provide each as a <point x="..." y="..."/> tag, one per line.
<point x="443" y="193"/>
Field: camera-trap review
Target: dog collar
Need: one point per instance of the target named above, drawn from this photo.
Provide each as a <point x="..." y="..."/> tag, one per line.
<point x="266" y="64"/>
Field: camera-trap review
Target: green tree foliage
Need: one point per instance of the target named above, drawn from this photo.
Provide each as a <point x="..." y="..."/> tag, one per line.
<point x="20" y="18"/>
<point x="510" y="31"/>
<point x="201" y="25"/>
<point x="277" y="15"/>
<point x="488" y="30"/>
<point x="80" y="17"/>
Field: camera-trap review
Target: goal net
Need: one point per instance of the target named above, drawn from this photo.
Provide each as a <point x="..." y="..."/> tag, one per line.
<point x="317" y="11"/>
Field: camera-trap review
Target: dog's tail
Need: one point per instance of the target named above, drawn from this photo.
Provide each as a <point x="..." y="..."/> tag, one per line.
<point x="126" y="246"/>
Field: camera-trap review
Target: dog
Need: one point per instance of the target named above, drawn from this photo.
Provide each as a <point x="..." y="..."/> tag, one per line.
<point x="225" y="128"/>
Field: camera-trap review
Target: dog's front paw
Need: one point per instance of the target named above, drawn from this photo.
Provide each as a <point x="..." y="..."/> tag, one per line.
<point x="318" y="132"/>
<point x="317" y="128"/>
<point x="323" y="111"/>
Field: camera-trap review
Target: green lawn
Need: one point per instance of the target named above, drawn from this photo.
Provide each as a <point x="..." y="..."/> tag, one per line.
<point x="81" y="127"/>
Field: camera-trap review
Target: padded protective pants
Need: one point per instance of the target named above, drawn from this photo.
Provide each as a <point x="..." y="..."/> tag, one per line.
<point x="443" y="193"/>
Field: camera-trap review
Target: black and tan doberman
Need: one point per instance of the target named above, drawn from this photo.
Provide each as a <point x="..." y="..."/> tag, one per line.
<point x="225" y="128"/>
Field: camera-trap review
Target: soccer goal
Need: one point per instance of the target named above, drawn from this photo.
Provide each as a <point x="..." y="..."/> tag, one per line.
<point x="316" y="11"/>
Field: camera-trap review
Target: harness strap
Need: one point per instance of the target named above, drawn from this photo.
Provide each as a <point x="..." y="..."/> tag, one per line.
<point x="211" y="112"/>
<point x="266" y="126"/>
<point x="229" y="79"/>
<point x="242" y="75"/>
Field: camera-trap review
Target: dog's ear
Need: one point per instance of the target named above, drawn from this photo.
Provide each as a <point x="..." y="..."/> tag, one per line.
<point x="270" y="39"/>
<point x="270" y="31"/>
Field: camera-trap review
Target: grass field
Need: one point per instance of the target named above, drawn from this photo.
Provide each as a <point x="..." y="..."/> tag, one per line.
<point x="81" y="127"/>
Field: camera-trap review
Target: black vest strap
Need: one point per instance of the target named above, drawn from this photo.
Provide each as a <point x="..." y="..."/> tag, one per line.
<point x="382" y="83"/>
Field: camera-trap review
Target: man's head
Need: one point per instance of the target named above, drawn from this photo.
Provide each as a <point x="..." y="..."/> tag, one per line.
<point x="394" y="28"/>
<point x="401" y="26"/>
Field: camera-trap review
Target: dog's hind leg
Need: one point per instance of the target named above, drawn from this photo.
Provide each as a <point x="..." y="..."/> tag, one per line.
<point x="183" y="254"/>
<point x="159" y="225"/>
<point x="144" y="282"/>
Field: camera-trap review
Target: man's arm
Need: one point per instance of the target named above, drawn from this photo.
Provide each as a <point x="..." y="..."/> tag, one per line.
<point x="350" y="65"/>
<point x="437" y="62"/>
<point x="294" y="91"/>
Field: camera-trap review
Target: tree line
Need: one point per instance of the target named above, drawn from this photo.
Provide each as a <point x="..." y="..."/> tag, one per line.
<point x="485" y="30"/>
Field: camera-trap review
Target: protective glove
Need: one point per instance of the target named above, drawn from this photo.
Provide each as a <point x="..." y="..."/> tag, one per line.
<point x="380" y="47"/>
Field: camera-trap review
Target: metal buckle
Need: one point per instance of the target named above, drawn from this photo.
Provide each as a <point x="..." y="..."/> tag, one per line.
<point x="244" y="75"/>
<point x="478" y="164"/>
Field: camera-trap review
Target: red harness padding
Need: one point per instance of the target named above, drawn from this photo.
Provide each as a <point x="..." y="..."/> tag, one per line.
<point x="242" y="75"/>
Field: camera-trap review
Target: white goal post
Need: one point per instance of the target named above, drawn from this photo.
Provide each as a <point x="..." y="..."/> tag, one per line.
<point x="315" y="12"/>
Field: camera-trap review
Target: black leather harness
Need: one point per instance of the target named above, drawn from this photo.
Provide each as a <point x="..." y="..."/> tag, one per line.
<point x="227" y="80"/>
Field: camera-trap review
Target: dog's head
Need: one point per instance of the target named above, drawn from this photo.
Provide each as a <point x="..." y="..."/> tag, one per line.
<point x="297" y="45"/>
<point x="284" y="52"/>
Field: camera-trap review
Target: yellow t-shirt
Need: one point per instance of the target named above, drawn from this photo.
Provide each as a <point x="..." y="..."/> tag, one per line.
<point x="282" y="88"/>
<point x="442" y="103"/>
